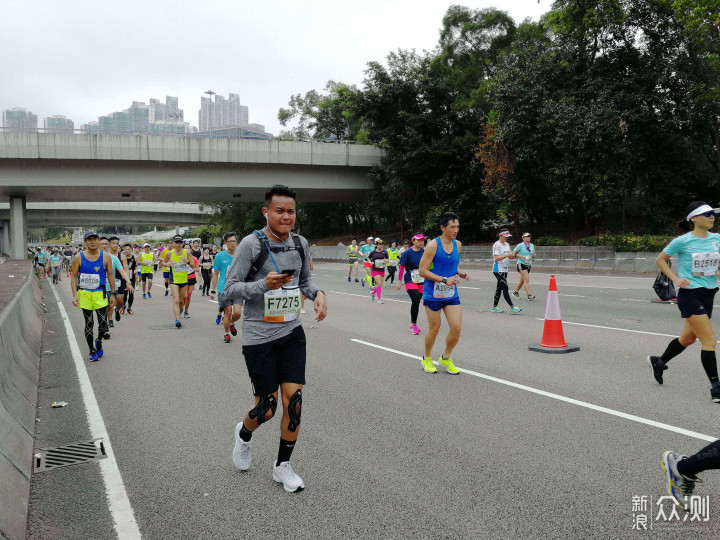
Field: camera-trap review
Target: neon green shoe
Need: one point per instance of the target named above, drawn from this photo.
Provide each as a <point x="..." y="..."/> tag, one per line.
<point x="427" y="364"/>
<point x="447" y="363"/>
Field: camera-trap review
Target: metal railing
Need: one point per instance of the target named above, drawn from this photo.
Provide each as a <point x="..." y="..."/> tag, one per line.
<point x="198" y="135"/>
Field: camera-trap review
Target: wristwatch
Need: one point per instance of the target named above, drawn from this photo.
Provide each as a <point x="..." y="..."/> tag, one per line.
<point x="444" y="280"/>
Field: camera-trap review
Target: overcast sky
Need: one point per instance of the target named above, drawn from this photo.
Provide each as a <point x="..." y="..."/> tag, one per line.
<point x="85" y="59"/>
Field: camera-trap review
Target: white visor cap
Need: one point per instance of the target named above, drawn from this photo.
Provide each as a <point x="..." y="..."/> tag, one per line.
<point x="701" y="210"/>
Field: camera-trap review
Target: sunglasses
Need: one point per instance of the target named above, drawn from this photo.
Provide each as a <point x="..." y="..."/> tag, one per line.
<point x="709" y="213"/>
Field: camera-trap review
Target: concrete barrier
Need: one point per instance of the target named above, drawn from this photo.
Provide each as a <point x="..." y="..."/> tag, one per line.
<point x="548" y="258"/>
<point x="20" y="349"/>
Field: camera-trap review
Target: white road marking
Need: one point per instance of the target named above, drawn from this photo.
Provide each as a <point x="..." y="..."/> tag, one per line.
<point x="366" y="296"/>
<point x="558" y="397"/>
<point x="575" y="295"/>
<point x="633" y="300"/>
<point x="118" y="502"/>
<point x="618" y="329"/>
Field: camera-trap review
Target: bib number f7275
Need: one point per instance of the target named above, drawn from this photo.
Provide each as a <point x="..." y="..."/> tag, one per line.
<point x="282" y="305"/>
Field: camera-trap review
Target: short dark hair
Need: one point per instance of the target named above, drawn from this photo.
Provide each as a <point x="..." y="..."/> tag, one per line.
<point x="113" y="238"/>
<point x="279" y="189"/>
<point x="127" y="245"/>
<point x="229" y="235"/>
<point x="103" y="238"/>
<point x="446" y="218"/>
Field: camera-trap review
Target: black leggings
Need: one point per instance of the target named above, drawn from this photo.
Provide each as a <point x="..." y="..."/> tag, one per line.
<point x="391" y="274"/>
<point x="89" y="323"/>
<point x="502" y="288"/>
<point x="415" y="298"/>
<point x="707" y="458"/>
<point x="206" y="282"/>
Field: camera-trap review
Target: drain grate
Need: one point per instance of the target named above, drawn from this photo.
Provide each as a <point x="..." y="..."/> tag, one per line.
<point x="70" y="454"/>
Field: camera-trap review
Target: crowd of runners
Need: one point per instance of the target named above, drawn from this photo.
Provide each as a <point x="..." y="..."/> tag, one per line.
<point x="264" y="277"/>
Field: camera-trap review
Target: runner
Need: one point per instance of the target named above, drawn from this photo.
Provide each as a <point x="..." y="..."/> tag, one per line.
<point x="91" y="271"/>
<point x="393" y="257"/>
<point x="104" y="244"/>
<point x="156" y="256"/>
<point x="525" y="253"/>
<point x="147" y="261"/>
<point x="410" y="276"/>
<point x="697" y="253"/>
<point x="366" y="250"/>
<point x="192" y="281"/>
<point x="405" y="246"/>
<point x="41" y="262"/>
<point x="166" y="269"/>
<point x="502" y="253"/>
<point x="231" y="308"/>
<point x="273" y="339"/>
<point x="681" y="471"/>
<point x="138" y="269"/>
<point x="67" y="258"/>
<point x="124" y="284"/>
<point x="196" y="252"/>
<point x="132" y="266"/>
<point x="378" y="259"/>
<point x="206" y="263"/>
<point x="440" y="291"/>
<point x="352" y="253"/>
<point x="55" y="262"/>
<point x="179" y="261"/>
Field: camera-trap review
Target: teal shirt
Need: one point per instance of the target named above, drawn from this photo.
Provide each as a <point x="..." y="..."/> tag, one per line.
<point x="366" y="249"/>
<point x="116" y="265"/>
<point x="524" y="251"/>
<point x="707" y="253"/>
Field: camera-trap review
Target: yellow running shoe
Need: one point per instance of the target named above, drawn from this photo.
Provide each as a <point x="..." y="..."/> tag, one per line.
<point x="447" y="363"/>
<point x="427" y="364"/>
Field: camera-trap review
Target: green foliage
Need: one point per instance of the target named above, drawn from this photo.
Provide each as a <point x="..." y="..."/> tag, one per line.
<point x="596" y="116"/>
<point x="549" y="241"/>
<point x="628" y="242"/>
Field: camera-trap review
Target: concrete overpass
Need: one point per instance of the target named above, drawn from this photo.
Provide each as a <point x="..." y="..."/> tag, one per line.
<point x="64" y="167"/>
<point x="77" y="214"/>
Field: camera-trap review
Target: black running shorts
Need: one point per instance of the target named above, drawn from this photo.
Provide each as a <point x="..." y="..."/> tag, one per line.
<point x="279" y="361"/>
<point x="697" y="301"/>
<point x="192" y="281"/>
<point x="146" y="276"/>
<point x="524" y="267"/>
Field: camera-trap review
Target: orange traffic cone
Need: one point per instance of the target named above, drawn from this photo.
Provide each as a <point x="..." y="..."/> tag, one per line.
<point x="553" y="339"/>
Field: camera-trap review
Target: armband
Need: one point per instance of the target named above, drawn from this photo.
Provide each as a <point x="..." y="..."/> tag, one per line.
<point x="213" y="292"/>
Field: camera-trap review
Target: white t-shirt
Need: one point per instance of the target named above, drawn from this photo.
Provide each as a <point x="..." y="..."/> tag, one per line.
<point x="501" y="249"/>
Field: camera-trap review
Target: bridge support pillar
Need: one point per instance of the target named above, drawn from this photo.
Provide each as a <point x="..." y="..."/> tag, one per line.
<point x="4" y="236"/>
<point x="18" y="228"/>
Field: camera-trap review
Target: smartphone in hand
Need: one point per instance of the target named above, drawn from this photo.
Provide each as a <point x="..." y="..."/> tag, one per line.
<point x="288" y="272"/>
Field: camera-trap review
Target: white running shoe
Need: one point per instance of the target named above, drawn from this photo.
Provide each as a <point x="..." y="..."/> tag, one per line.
<point x="284" y="474"/>
<point x="242" y="455"/>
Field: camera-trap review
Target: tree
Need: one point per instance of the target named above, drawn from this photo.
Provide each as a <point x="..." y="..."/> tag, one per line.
<point x="324" y="116"/>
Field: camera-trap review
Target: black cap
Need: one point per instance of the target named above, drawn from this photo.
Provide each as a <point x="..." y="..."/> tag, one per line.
<point x="177" y="238"/>
<point x="88" y="234"/>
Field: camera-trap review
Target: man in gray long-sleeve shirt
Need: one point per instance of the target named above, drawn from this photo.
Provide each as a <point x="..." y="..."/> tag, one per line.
<point x="273" y="340"/>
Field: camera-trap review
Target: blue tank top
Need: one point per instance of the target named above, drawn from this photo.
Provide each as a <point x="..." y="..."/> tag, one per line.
<point x="90" y="269"/>
<point x="445" y="265"/>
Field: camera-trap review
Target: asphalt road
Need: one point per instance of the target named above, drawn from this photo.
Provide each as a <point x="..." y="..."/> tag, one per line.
<point x="386" y="450"/>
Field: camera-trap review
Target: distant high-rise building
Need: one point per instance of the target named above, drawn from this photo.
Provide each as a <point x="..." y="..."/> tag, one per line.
<point x="57" y="123"/>
<point x="249" y="131"/>
<point x="19" y="119"/>
<point x="154" y="119"/>
<point x="222" y="112"/>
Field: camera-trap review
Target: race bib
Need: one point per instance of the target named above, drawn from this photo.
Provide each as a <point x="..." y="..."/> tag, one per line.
<point x="705" y="264"/>
<point x="207" y="265"/>
<point x="392" y="262"/>
<point x="380" y="264"/>
<point x="282" y="305"/>
<point x="415" y="276"/>
<point x="181" y="268"/>
<point x="89" y="281"/>
<point x="528" y="259"/>
<point x="147" y="262"/>
<point x="443" y="290"/>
